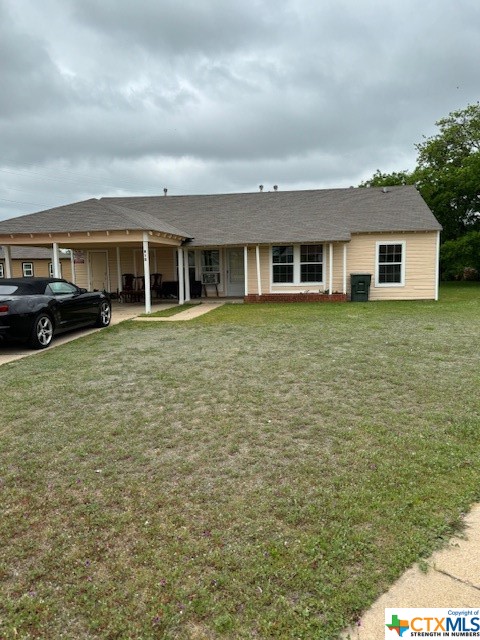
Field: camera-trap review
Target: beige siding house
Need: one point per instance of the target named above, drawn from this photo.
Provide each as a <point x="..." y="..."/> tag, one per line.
<point x="34" y="261"/>
<point x="293" y="245"/>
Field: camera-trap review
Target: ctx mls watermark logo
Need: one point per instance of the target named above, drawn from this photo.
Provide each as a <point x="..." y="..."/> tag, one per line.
<point x="432" y="623"/>
<point x="400" y="626"/>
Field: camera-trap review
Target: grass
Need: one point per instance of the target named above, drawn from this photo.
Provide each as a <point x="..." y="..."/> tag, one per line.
<point x="264" y="471"/>
<point x="171" y="311"/>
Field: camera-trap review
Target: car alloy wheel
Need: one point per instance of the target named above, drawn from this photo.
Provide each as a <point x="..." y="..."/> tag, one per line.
<point x="105" y="314"/>
<point x="42" y="333"/>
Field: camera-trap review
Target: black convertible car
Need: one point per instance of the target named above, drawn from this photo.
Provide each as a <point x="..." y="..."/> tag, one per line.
<point x="36" y="309"/>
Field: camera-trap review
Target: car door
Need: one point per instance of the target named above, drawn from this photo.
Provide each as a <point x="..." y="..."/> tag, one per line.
<point x="72" y="305"/>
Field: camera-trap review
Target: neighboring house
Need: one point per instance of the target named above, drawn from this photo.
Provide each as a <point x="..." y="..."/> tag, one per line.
<point x="27" y="262"/>
<point x="253" y="245"/>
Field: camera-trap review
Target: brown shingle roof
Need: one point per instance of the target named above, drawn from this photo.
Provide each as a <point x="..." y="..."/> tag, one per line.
<point x="244" y="218"/>
<point x="32" y="253"/>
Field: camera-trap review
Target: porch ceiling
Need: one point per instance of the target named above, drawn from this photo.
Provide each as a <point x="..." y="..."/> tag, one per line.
<point x="92" y="239"/>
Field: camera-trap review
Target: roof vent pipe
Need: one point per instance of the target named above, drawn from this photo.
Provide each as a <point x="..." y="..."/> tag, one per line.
<point x="260" y="186"/>
<point x="165" y="191"/>
<point x="275" y="187"/>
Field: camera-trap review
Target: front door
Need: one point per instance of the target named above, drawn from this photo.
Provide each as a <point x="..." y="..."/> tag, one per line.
<point x="235" y="273"/>
<point x="98" y="271"/>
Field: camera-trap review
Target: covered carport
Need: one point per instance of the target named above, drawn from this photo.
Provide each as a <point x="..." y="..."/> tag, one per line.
<point x="95" y="226"/>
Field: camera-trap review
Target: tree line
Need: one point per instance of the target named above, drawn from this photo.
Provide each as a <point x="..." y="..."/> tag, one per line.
<point x="447" y="175"/>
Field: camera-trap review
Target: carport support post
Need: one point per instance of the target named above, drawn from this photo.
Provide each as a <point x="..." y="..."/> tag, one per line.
<point x="181" y="279"/>
<point x="259" y="275"/>
<point x="119" y="271"/>
<point x="146" y="273"/>
<point x="8" y="261"/>
<point x="55" y="261"/>
<point x="330" y="268"/>
<point x="186" y="271"/>
<point x="245" y="262"/>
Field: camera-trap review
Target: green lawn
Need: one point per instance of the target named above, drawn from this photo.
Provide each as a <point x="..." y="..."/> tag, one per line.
<point x="263" y="471"/>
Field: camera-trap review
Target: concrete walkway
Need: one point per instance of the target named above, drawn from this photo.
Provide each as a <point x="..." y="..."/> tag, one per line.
<point x="188" y="314"/>
<point x="452" y="580"/>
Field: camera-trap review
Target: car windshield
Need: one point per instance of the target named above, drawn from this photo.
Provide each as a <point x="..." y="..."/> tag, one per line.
<point x="7" y="289"/>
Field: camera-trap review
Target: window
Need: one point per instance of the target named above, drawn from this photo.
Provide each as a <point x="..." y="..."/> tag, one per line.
<point x="390" y="264"/>
<point x="211" y="265"/>
<point x="297" y="264"/>
<point x="27" y="268"/>
<point x="311" y="263"/>
<point x="2" y="273"/>
<point x="61" y="289"/>
<point x="282" y="259"/>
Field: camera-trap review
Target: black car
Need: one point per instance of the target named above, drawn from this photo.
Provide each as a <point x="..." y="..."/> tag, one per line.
<point x="36" y="309"/>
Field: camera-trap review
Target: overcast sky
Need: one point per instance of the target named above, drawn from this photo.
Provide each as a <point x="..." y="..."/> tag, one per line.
<point x="126" y="97"/>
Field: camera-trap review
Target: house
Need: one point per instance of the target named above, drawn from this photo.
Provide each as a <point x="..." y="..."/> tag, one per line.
<point x="34" y="261"/>
<point x="276" y="245"/>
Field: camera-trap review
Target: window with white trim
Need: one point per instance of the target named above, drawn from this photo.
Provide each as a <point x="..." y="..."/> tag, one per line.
<point x="311" y="263"/>
<point x="390" y="264"/>
<point x="27" y="268"/>
<point x="210" y="266"/>
<point x="297" y="264"/>
<point x="2" y="272"/>
<point x="282" y="259"/>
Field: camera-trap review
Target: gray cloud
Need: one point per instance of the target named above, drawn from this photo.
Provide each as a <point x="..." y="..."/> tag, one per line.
<point x="118" y="97"/>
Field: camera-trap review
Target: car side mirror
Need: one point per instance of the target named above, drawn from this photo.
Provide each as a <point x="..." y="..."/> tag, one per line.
<point x="82" y="290"/>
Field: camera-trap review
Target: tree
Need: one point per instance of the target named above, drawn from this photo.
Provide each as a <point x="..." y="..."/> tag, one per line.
<point x="460" y="258"/>
<point x="396" y="178"/>
<point x="447" y="172"/>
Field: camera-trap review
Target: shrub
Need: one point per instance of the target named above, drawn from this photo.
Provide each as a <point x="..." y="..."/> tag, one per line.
<point x="460" y="258"/>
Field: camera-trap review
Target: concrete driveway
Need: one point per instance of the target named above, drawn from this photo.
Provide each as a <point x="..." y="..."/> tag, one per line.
<point x="120" y="312"/>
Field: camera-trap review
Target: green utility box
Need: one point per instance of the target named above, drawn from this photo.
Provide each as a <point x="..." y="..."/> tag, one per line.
<point x="360" y="286"/>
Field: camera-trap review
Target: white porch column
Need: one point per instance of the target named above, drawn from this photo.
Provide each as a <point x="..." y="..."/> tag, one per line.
<point x="72" y="266"/>
<point x="8" y="261"/>
<point x="119" y="271"/>
<point x="245" y="267"/>
<point x="181" y="279"/>
<point x="330" y="268"/>
<point x="186" y="271"/>
<point x="259" y="278"/>
<point x="146" y="273"/>
<point x="344" y="290"/>
<point x="55" y="261"/>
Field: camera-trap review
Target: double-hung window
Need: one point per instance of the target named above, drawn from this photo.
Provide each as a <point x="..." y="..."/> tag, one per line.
<point x="2" y="273"/>
<point x="282" y="259"/>
<point x="27" y="268"/>
<point x="390" y="264"/>
<point x="297" y="264"/>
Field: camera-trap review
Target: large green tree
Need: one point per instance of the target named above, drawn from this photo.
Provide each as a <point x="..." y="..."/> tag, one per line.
<point x="447" y="172"/>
